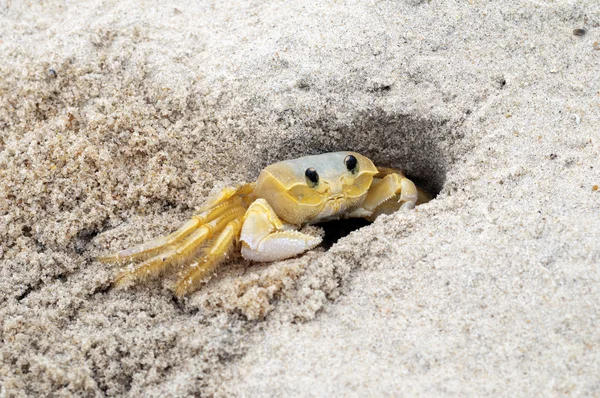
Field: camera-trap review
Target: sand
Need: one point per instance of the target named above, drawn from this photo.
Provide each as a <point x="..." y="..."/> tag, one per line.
<point x="117" y="119"/>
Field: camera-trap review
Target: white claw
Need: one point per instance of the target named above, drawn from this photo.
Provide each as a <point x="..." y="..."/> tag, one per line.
<point x="265" y="238"/>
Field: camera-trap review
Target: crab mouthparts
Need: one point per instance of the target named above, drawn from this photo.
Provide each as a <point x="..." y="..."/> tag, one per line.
<point x="333" y="206"/>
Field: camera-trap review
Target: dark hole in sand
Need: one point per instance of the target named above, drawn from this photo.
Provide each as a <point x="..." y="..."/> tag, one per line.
<point x="422" y="148"/>
<point x="337" y="229"/>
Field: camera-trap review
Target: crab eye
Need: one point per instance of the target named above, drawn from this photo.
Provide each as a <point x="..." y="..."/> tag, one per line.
<point x="312" y="178"/>
<point x="351" y="164"/>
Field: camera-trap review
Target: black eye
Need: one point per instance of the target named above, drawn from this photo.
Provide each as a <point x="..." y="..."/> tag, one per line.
<point x="312" y="178"/>
<point x="351" y="163"/>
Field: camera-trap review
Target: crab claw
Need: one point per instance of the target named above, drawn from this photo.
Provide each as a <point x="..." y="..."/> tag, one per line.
<point x="265" y="238"/>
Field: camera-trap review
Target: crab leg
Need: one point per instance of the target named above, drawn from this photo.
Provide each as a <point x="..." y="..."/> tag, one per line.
<point x="214" y="255"/>
<point x="153" y="247"/>
<point x="226" y="194"/>
<point x="181" y="252"/>
<point x="265" y="238"/>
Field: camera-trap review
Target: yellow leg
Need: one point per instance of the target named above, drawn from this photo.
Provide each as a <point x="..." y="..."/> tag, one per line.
<point x="227" y="193"/>
<point x="154" y="247"/>
<point x="180" y="253"/>
<point x="212" y="258"/>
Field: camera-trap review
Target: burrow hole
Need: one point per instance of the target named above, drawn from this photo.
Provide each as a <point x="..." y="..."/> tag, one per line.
<point x="423" y="149"/>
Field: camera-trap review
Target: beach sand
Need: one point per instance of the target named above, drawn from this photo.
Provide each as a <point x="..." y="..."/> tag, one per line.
<point x="117" y="119"/>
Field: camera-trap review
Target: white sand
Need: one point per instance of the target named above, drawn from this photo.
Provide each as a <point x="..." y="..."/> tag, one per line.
<point x="117" y="119"/>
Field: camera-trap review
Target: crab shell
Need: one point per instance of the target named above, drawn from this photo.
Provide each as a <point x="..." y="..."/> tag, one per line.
<point x="283" y="185"/>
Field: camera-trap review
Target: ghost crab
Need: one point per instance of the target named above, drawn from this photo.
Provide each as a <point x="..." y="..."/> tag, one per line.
<point x="265" y="217"/>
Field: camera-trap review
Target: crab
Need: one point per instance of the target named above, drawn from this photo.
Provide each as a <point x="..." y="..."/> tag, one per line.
<point x="265" y="219"/>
